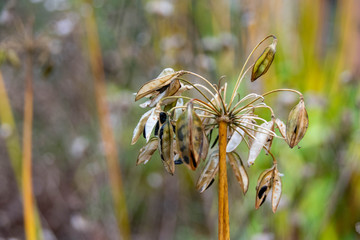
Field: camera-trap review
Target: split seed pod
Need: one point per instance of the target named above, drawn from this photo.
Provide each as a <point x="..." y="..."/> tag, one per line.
<point x="261" y="138"/>
<point x="263" y="186"/>
<point x="297" y="124"/>
<point x="140" y="126"/>
<point x="147" y="151"/>
<point x="239" y="170"/>
<point x="166" y="146"/>
<point x="281" y="126"/>
<point x="163" y="80"/>
<point x="263" y="63"/>
<point x="276" y="190"/>
<point x="209" y="172"/>
<point x="191" y="141"/>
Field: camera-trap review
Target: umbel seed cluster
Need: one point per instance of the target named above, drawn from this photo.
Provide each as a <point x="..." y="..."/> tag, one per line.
<point x="182" y="128"/>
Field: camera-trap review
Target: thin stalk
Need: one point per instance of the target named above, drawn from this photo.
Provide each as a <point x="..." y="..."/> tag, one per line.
<point x="224" y="229"/>
<point x="28" y="202"/>
<point x="237" y="84"/>
<point x="105" y="127"/>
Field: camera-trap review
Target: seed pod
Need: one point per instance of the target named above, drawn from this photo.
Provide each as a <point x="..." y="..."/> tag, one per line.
<point x="281" y="126"/>
<point x="261" y="138"/>
<point x="263" y="186"/>
<point x="160" y="83"/>
<point x="270" y="138"/>
<point x="190" y="137"/>
<point x="276" y="190"/>
<point x="150" y="124"/>
<point x="209" y="172"/>
<point x="297" y="124"/>
<point x="239" y="170"/>
<point x="140" y="126"/>
<point x="166" y="146"/>
<point x="263" y="63"/>
<point x="147" y="151"/>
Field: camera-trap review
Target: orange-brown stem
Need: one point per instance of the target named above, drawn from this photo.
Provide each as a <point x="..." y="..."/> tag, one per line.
<point x="224" y="230"/>
<point x="28" y="202"/>
<point x="106" y="131"/>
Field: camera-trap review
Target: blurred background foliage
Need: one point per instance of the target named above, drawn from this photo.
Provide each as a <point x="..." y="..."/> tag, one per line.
<point x="317" y="53"/>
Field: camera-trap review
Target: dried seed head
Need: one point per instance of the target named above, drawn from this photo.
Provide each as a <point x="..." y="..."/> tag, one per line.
<point x="263" y="186"/>
<point x="297" y="124"/>
<point x="263" y="63"/>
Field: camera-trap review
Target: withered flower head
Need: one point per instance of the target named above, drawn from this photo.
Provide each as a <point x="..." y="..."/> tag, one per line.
<point x="184" y="126"/>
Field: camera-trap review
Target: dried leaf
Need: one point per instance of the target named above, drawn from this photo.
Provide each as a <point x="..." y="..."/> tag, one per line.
<point x="166" y="146"/>
<point x="276" y="190"/>
<point x="140" y="126"/>
<point x="261" y="138"/>
<point x="147" y="151"/>
<point x="263" y="186"/>
<point x="297" y="124"/>
<point x="263" y="63"/>
<point x="190" y="137"/>
<point x="164" y="79"/>
<point x="239" y="170"/>
<point x="281" y="126"/>
<point x="209" y="172"/>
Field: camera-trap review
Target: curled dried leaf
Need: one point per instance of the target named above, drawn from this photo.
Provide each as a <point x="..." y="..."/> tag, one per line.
<point x="297" y="124"/>
<point x="166" y="146"/>
<point x="140" y="126"/>
<point x="261" y="138"/>
<point x="147" y="151"/>
<point x="263" y="186"/>
<point x="263" y="63"/>
<point x="209" y="172"/>
<point x="239" y="170"/>
<point x="276" y="190"/>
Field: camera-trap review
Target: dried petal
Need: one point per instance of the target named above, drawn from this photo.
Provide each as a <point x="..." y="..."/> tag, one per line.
<point x="208" y="174"/>
<point x="140" y="126"/>
<point x="281" y="126"/>
<point x="235" y="140"/>
<point x="190" y="137"/>
<point x="263" y="186"/>
<point x="276" y="190"/>
<point x="297" y="124"/>
<point x="164" y="79"/>
<point x="237" y="136"/>
<point x="147" y="151"/>
<point x="239" y="170"/>
<point x="261" y="138"/>
<point x="263" y="63"/>
<point x="166" y="146"/>
<point x="150" y="124"/>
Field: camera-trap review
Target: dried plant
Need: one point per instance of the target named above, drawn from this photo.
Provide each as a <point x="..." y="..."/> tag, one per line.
<point x="182" y="128"/>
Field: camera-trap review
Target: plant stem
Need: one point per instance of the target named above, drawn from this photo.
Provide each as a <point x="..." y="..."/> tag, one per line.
<point x="108" y="139"/>
<point x="28" y="202"/>
<point x="224" y="230"/>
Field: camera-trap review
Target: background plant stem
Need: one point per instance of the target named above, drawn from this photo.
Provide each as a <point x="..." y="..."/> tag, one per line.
<point x="224" y="230"/>
<point x="28" y="202"/>
<point x="106" y="131"/>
